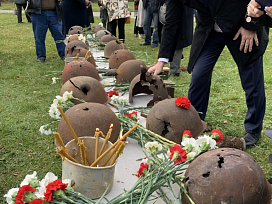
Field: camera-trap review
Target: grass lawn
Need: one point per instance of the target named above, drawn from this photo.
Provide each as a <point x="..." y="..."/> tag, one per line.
<point x="26" y="94"/>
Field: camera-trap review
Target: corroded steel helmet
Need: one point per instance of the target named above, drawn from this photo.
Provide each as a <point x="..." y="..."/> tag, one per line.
<point x="107" y="38"/>
<point x="97" y="28"/>
<point x="113" y="45"/>
<point x="118" y="57"/>
<point x="85" y="118"/>
<point x="101" y="33"/>
<point x="128" y="70"/>
<point x="79" y="68"/>
<point x="70" y="47"/>
<point x="169" y="120"/>
<point x="73" y="37"/>
<point x="73" y="50"/>
<point x="226" y="175"/>
<point x="76" y="27"/>
<point x="86" y="88"/>
<point x="75" y="31"/>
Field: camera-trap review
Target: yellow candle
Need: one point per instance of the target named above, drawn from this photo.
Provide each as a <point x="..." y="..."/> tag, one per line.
<point x="120" y="150"/>
<point x="111" y="154"/>
<point x="109" y="149"/>
<point x="63" y="152"/>
<point x="68" y="123"/>
<point x="96" y="135"/>
<point x="58" y="138"/>
<point x="106" y="140"/>
<point x="82" y="151"/>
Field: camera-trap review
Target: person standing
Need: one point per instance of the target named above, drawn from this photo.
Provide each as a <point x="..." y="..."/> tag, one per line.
<point x="46" y="14"/>
<point x="103" y="15"/>
<point x="74" y="14"/>
<point x="118" y="11"/>
<point x="137" y="30"/>
<point x="220" y="24"/>
<point x="183" y="20"/>
<point x="151" y="13"/>
<point x="19" y="5"/>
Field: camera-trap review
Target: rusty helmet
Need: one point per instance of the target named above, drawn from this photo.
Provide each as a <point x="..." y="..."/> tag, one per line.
<point x="226" y="175"/>
<point x="97" y="28"/>
<point x="113" y="45"/>
<point x="85" y="88"/>
<point x="73" y="37"/>
<point x="169" y="120"/>
<point x="107" y="38"/>
<point x="74" y="31"/>
<point x="101" y="33"/>
<point x="79" y="68"/>
<point x="128" y="70"/>
<point x="85" y="118"/>
<point x="71" y="46"/>
<point x="118" y="57"/>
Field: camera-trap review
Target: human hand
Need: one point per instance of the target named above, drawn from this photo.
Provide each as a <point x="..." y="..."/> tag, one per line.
<point x="247" y="38"/>
<point x="102" y="7"/>
<point x="253" y="9"/>
<point x="268" y="10"/>
<point x="157" y="68"/>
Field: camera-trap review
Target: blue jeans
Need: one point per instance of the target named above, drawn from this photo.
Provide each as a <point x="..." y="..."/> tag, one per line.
<point x="251" y="76"/>
<point x="147" y="23"/>
<point x="40" y="24"/>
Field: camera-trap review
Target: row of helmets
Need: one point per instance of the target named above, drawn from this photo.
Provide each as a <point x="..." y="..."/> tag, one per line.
<point x="81" y="77"/>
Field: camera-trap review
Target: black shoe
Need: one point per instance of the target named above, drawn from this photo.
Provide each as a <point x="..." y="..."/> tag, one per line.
<point x="154" y="45"/>
<point x="174" y="74"/>
<point x="144" y="44"/>
<point x="41" y="60"/>
<point x="251" y="139"/>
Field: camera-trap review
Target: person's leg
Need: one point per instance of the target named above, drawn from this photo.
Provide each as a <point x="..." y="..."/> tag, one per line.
<point x="199" y="89"/>
<point x="252" y="80"/>
<point x="27" y="15"/>
<point x="121" y="29"/>
<point x="135" y="28"/>
<point x="19" y="13"/>
<point x="39" y="26"/>
<point x="54" y="27"/>
<point x="104" y="17"/>
<point x="147" y="23"/>
<point x="112" y="27"/>
<point x="155" y="42"/>
<point x="175" y="64"/>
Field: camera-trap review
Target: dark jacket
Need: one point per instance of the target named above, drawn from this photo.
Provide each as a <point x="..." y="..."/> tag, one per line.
<point x="34" y="6"/>
<point x="263" y="20"/>
<point x="178" y="28"/>
<point x="154" y="5"/>
<point x="20" y="1"/>
<point x="229" y="15"/>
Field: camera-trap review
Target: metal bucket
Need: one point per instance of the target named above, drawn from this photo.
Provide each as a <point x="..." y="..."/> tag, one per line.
<point x="90" y="181"/>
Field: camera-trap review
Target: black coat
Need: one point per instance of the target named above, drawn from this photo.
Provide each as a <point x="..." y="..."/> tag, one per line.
<point x="229" y="15"/>
<point x="178" y="28"/>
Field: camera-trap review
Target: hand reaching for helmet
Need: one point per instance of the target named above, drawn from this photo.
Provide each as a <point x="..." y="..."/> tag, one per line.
<point x="157" y="68"/>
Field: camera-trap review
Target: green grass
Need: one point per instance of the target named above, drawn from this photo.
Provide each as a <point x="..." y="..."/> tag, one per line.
<point x="26" y="94"/>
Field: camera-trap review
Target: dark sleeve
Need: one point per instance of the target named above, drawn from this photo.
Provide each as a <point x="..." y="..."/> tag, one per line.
<point x="264" y="20"/>
<point x="171" y="29"/>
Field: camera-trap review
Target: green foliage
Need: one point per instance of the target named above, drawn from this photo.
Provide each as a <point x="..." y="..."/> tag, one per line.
<point x="26" y="94"/>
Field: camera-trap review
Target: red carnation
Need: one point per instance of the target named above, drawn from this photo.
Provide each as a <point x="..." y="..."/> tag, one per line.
<point x="183" y="102"/>
<point x="21" y="193"/>
<point x="187" y="132"/>
<point x="55" y="185"/>
<point x="113" y="93"/>
<point x="178" y="154"/>
<point x="36" y="201"/>
<point x="143" y="166"/>
<point x="217" y="135"/>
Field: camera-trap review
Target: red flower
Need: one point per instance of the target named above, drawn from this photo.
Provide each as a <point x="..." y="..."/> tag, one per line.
<point x="183" y="102"/>
<point x="179" y="153"/>
<point x="55" y="185"/>
<point x="21" y="193"/>
<point x="130" y="115"/>
<point x="143" y="166"/>
<point x="36" y="201"/>
<point x="113" y="93"/>
<point x="187" y="132"/>
<point x="217" y="135"/>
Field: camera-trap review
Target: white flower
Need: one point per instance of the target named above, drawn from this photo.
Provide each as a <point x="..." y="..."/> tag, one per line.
<point x="191" y="155"/>
<point x="8" y="196"/>
<point x="211" y="142"/>
<point x="44" y="130"/>
<point x="54" y="80"/>
<point x="89" y="36"/>
<point x="144" y="160"/>
<point x="67" y="95"/>
<point x="153" y="146"/>
<point x="49" y="178"/>
<point x="106" y="82"/>
<point x="190" y="141"/>
<point x="100" y="24"/>
<point x="67" y="181"/>
<point x="29" y="177"/>
<point x="82" y="38"/>
<point x="161" y="156"/>
<point x="53" y="111"/>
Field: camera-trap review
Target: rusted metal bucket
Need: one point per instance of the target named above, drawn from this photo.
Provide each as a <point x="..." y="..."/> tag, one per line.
<point x="90" y="181"/>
